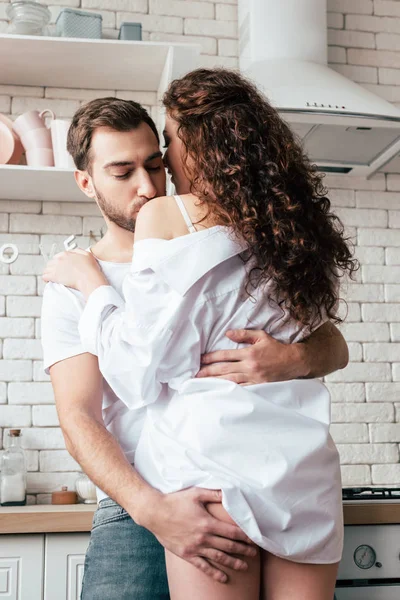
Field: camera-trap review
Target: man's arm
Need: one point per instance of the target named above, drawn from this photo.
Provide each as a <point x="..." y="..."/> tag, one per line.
<point x="323" y="352"/>
<point x="267" y="359"/>
<point x="180" y="521"/>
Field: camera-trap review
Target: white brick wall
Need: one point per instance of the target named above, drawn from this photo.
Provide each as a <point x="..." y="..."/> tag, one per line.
<point x="364" y="45"/>
<point x="370" y="38"/>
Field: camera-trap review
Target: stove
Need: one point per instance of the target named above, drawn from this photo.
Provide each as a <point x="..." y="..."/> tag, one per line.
<point x="370" y="565"/>
<point x="370" y="494"/>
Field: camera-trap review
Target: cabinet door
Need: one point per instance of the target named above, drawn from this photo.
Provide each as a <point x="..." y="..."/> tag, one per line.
<point x="64" y="559"/>
<point x="21" y="567"/>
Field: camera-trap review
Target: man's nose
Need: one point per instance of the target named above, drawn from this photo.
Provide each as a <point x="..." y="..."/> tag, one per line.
<point x="146" y="187"/>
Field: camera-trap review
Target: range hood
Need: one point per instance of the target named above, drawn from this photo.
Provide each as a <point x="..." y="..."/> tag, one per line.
<point x="283" y="48"/>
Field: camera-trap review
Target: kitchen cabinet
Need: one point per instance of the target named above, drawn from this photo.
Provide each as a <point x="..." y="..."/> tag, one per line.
<point x="63" y="565"/>
<point x="21" y="567"/>
<point x="42" y="566"/>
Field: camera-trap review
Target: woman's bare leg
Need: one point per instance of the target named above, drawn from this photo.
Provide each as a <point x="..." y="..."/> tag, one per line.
<point x="186" y="581"/>
<point x="283" y="579"/>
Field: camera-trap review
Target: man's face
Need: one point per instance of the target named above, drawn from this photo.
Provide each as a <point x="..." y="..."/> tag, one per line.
<point x="126" y="172"/>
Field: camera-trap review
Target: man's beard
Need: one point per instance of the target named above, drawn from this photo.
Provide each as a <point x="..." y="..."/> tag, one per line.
<point x="111" y="213"/>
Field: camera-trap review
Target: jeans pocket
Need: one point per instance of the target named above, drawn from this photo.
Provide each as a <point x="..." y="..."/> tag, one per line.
<point x="107" y="512"/>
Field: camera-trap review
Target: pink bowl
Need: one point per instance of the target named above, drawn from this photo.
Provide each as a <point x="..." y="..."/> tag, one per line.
<point x="7" y="144"/>
<point x="11" y="148"/>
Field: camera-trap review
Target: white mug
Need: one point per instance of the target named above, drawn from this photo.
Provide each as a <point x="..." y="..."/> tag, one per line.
<point x="59" y="130"/>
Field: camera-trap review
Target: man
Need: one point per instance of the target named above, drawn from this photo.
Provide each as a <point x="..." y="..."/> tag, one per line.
<point x="115" y="147"/>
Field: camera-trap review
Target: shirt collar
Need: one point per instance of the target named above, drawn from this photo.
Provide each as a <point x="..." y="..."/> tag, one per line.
<point x="184" y="260"/>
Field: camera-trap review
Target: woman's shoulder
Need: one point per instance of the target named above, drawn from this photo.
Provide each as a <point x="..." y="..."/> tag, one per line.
<point x="156" y="204"/>
<point x="151" y="221"/>
<point x="163" y="217"/>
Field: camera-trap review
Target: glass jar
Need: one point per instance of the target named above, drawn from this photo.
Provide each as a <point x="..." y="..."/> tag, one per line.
<point x="28" y="18"/>
<point x="13" y="472"/>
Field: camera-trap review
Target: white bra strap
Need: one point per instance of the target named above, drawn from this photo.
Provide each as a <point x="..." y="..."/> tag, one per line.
<point x="185" y="214"/>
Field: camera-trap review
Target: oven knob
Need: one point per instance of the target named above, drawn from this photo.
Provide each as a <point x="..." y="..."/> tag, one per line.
<point x="379" y="565"/>
<point x="364" y="556"/>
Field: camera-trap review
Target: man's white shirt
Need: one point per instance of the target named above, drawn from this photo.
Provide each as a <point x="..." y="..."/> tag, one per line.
<point x="61" y="310"/>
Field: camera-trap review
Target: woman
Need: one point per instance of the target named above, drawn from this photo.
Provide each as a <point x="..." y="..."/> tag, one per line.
<point x="250" y="243"/>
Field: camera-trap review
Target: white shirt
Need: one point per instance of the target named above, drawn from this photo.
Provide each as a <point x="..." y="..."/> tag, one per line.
<point x="266" y="446"/>
<point x="61" y="310"/>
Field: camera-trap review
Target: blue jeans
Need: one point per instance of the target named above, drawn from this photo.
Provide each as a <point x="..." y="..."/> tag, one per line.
<point x="124" y="561"/>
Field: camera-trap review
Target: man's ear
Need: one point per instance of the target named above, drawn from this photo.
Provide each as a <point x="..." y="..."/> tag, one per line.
<point x="85" y="184"/>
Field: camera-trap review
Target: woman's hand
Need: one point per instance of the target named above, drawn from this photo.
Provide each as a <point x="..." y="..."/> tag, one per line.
<point x="76" y="269"/>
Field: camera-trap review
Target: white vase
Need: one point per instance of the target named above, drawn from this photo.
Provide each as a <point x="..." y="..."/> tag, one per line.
<point x="86" y="489"/>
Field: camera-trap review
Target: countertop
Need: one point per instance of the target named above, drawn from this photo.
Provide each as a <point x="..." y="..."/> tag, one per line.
<point x="48" y="518"/>
<point x="371" y="513"/>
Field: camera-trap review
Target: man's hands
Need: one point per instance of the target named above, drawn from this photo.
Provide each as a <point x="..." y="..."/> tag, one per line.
<point x="182" y="524"/>
<point x="264" y="360"/>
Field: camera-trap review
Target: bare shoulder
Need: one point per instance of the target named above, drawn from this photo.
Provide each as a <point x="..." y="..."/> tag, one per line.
<point x="153" y="219"/>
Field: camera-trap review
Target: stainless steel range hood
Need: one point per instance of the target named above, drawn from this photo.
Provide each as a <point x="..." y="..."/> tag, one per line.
<point x="283" y="49"/>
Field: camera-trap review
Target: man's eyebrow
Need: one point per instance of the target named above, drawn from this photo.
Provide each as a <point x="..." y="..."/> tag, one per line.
<point x="131" y="163"/>
<point x="119" y="163"/>
<point x="153" y="156"/>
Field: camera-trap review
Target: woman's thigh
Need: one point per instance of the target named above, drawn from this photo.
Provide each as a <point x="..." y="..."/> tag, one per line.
<point x="283" y="579"/>
<point x="186" y="581"/>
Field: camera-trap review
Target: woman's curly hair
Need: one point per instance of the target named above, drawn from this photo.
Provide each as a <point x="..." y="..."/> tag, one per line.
<point x="248" y="168"/>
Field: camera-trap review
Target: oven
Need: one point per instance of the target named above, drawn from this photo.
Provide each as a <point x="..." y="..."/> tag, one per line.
<point x="370" y="565"/>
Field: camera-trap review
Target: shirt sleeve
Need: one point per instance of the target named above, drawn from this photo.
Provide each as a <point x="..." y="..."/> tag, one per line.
<point x="60" y="315"/>
<point x="157" y="335"/>
<point x="133" y="340"/>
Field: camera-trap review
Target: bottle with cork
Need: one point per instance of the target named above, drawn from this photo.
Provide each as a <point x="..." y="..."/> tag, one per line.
<point x="13" y="472"/>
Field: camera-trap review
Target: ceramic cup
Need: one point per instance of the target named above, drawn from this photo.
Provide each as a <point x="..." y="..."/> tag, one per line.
<point x="31" y="120"/>
<point x="40" y="157"/>
<point x="59" y="132"/>
<point x="37" y="138"/>
<point x="86" y="489"/>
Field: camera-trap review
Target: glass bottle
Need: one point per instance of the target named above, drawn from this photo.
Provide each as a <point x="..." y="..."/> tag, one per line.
<point x="13" y="472"/>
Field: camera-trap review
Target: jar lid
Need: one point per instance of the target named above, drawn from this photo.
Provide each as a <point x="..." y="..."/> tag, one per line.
<point x="64" y="496"/>
<point x="14" y="432"/>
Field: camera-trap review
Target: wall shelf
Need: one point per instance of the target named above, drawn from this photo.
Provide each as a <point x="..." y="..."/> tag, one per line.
<point x="32" y="183"/>
<point x="92" y="64"/>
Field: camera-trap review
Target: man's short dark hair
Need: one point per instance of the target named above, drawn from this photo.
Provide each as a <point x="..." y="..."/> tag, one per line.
<point x="121" y="115"/>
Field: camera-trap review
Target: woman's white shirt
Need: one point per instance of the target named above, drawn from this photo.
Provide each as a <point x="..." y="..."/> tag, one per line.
<point x="266" y="446"/>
